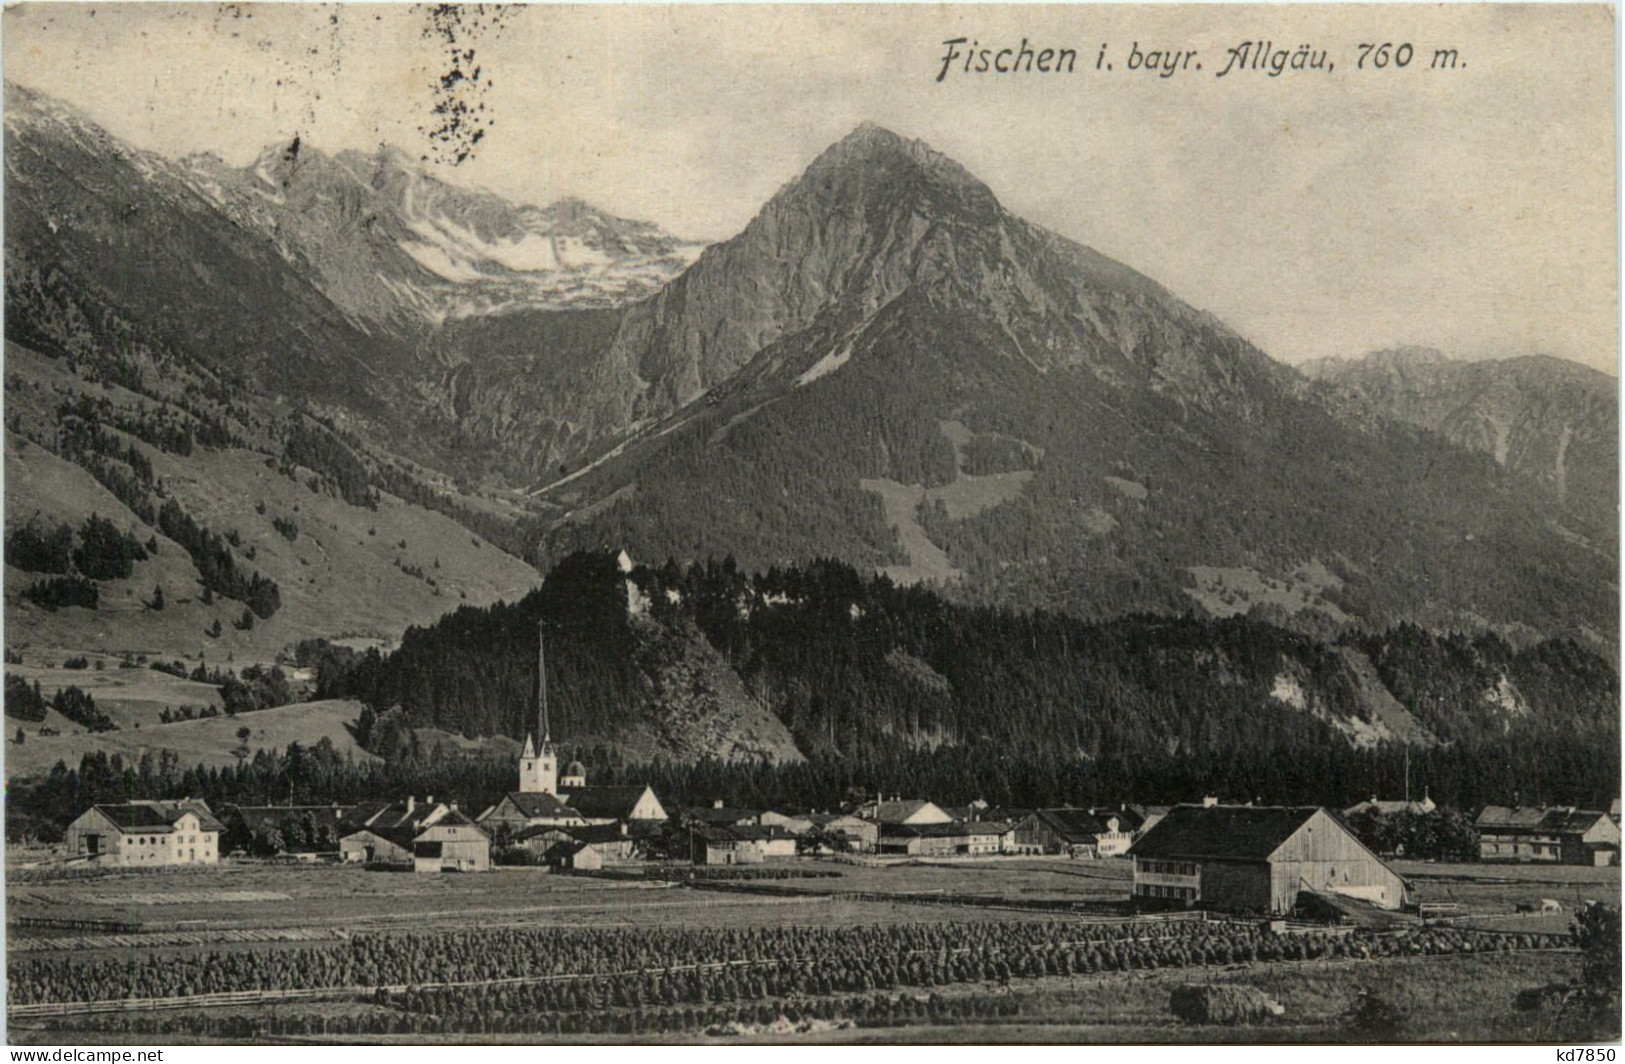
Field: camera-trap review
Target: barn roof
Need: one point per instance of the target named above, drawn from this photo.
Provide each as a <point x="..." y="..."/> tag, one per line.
<point x="362" y="815"/>
<point x="1244" y="833"/>
<point x="257" y="817"/>
<point x="605" y="803"/>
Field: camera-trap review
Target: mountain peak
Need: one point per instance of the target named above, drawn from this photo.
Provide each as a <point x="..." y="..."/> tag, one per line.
<point x="870" y="143"/>
<point x="872" y="132"/>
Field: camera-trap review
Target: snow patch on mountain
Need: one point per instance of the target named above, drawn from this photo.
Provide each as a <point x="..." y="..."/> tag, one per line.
<point x="826" y="365"/>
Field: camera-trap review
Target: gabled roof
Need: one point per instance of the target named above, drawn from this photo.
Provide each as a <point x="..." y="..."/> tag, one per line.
<point x="605" y="803"/>
<point x="1077" y="825"/>
<point x="1237" y="832"/>
<point x="158" y="817"/>
<point x="896" y="812"/>
<point x="537" y="805"/>
<point x="401" y="837"/>
<point x="360" y="816"/>
<point x="1509" y="818"/>
<point x="1565" y="821"/>
<point x="1130" y="817"/>
<point x="135" y="816"/>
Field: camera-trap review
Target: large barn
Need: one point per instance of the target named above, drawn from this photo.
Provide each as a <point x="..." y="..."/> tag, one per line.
<point x="1257" y="859"/>
<point x="146" y="834"/>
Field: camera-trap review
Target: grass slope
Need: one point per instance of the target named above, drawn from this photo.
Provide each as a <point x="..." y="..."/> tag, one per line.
<point x="344" y="574"/>
<point x="208" y="742"/>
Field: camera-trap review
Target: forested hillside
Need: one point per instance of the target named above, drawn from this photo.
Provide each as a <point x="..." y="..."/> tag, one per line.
<point x="897" y="684"/>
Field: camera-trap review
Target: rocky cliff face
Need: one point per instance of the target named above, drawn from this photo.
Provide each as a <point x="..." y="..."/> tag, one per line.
<point x="1553" y="421"/>
<point x="871" y="218"/>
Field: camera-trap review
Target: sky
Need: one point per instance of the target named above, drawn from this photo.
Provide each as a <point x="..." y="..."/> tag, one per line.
<point x="1318" y="214"/>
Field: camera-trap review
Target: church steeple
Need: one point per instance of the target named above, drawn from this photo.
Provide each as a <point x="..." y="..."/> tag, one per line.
<point x="539" y="767"/>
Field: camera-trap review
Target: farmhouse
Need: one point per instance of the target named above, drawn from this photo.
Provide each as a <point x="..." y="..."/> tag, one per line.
<point x="965" y="838"/>
<point x="1560" y="835"/>
<point x="610" y="843"/>
<point x="741" y="844"/>
<point x="574" y="855"/>
<point x="862" y="836"/>
<point x="1257" y="859"/>
<point x="146" y="834"/>
<point x="1076" y="832"/>
<point x="393" y="834"/>
<point x="518" y="810"/>
<point x="453" y="843"/>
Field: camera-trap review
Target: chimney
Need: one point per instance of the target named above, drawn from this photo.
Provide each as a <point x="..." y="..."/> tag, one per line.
<point x="623" y="829"/>
<point x="716" y="803"/>
<point x="428" y="799"/>
<point x="1209" y="801"/>
<point x="411" y="803"/>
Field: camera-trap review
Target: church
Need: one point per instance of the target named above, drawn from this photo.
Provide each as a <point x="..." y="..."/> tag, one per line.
<point x="547" y="799"/>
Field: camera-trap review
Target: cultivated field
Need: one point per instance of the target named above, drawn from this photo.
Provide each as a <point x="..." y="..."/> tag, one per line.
<point x="650" y="960"/>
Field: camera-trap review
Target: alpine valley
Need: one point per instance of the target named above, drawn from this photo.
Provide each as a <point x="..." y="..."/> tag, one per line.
<point x="930" y="479"/>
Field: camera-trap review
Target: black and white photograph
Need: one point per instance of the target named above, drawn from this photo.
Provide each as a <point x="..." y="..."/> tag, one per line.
<point x="811" y="524"/>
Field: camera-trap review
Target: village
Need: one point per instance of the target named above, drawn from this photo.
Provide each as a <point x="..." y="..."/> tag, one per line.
<point x="1209" y="854"/>
<point x="569" y="908"/>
